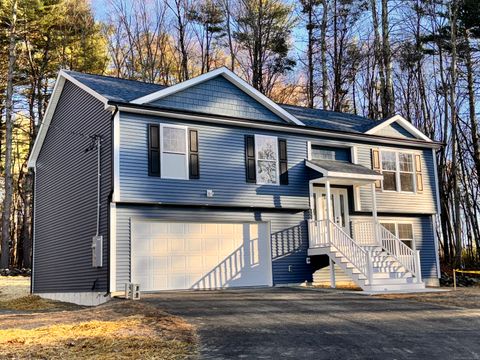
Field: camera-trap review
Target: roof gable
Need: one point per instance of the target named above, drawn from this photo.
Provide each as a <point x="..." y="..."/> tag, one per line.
<point x="391" y="127"/>
<point x="231" y="104"/>
<point x="217" y="96"/>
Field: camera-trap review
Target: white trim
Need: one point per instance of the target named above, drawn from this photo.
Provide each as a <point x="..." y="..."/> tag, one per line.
<point x="185" y="128"/>
<point x="397" y="171"/>
<point x="309" y="150"/>
<point x="116" y="157"/>
<point x="403" y="123"/>
<point x="354" y="154"/>
<point x="34" y="229"/>
<point x="113" y="248"/>
<point x="277" y="180"/>
<point x="437" y="189"/>
<point x="357" y="203"/>
<point x="52" y="104"/>
<point x="278" y="127"/>
<point x="234" y="79"/>
<point x="342" y="175"/>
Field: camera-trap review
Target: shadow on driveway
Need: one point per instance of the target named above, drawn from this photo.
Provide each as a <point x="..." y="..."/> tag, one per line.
<point x="295" y="323"/>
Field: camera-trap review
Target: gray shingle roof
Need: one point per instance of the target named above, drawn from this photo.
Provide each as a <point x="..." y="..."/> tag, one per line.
<point x="116" y="89"/>
<point x="343" y="167"/>
<point x="122" y="90"/>
<point x="331" y="120"/>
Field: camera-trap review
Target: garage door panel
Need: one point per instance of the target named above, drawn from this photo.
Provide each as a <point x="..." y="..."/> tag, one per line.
<point x="167" y="256"/>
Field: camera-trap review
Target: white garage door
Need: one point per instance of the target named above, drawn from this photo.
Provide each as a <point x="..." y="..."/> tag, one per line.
<point x="176" y="255"/>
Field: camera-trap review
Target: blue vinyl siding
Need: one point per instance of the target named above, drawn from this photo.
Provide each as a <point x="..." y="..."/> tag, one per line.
<point x="423" y="233"/>
<point x="395" y="130"/>
<point x="66" y="196"/>
<point x="222" y="169"/>
<point x="218" y="96"/>
<point x="289" y="238"/>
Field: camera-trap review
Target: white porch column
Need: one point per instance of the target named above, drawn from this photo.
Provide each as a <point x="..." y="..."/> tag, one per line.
<point x="374" y="213"/>
<point x="374" y="202"/>
<point x="329" y="207"/>
<point x="332" y="274"/>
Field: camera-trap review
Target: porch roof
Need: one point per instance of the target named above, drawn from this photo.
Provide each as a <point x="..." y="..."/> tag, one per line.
<point x="343" y="171"/>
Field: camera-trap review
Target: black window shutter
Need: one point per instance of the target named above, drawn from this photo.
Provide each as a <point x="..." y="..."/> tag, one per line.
<point x="250" y="170"/>
<point x="283" y="161"/>
<point x="193" y="163"/>
<point x="153" y="150"/>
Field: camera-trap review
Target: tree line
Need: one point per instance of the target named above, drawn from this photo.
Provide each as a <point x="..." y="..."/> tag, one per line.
<point x="375" y="58"/>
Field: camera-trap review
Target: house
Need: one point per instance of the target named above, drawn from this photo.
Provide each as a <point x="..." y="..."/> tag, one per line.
<point x="209" y="184"/>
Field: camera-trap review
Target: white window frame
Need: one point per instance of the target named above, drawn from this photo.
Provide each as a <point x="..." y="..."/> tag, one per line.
<point x="396" y="223"/>
<point x="397" y="169"/>
<point x="257" y="159"/>
<point x="162" y="173"/>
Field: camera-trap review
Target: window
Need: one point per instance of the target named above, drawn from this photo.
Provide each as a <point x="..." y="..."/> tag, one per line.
<point x="403" y="231"/>
<point x="266" y="158"/>
<point x="406" y="172"/>
<point x="398" y="169"/>
<point x="323" y="154"/>
<point x="174" y="155"/>
<point x="389" y="168"/>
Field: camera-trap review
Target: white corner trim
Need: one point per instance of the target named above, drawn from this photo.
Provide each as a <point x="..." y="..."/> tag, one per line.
<point x="234" y="79"/>
<point x="79" y="298"/>
<point x="403" y="123"/>
<point x="116" y="157"/>
<point x="52" y="104"/>
<point x="113" y="248"/>
<point x="437" y="189"/>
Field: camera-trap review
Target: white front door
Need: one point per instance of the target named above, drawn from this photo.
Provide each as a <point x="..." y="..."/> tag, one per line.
<point x="338" y="210"/>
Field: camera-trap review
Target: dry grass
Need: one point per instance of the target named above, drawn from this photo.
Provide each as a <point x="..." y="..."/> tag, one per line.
<point x="12" y="287"/>
<point x="33" y="303"/>
<point x="118" y="330"/>
<point x="468" y="298"/>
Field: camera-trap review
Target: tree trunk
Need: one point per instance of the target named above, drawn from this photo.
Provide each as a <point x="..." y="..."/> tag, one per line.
<point x="310" y="27"/>
<point x="471" y="105"/>
<point x="7" y="202"/>
<point x="387" y="58"/>
<point x="453" y="112"/>
<point x="379" y="57"/>
<point x="323" y="56"/>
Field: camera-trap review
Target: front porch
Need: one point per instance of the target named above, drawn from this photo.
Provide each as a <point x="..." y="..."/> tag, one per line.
<point x="373" y="257"/>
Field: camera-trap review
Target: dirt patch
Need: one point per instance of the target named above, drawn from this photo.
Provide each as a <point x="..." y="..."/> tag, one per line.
<point x="468" y="298"/>
<point x="14" y="287"/>
<point x="117" y="330"/>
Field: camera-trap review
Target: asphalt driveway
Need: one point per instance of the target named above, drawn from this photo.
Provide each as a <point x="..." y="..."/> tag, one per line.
<point x="293" y="323"/>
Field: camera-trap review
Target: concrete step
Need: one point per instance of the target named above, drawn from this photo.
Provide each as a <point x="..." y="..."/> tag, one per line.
<point x="393" y="287"/>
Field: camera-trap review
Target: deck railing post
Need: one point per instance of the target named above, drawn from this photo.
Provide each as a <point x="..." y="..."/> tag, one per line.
<point x="418" y="266"/>
<point x="369" y="267"/>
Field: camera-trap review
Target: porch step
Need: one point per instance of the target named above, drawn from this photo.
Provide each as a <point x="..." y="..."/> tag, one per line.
<point x="388" y="273"/>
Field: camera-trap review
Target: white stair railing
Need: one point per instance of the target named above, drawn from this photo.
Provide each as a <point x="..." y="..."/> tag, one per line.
<point x="327" y="233"/>
<point x="374" y="233"/>
<point x="409" y="258"/>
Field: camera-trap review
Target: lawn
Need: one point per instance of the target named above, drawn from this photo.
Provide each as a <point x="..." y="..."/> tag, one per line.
<point x="31" y="327"/>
